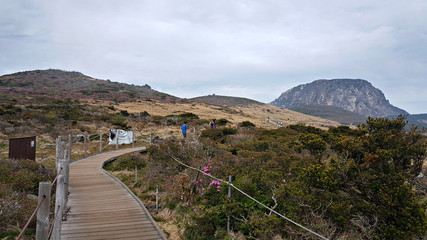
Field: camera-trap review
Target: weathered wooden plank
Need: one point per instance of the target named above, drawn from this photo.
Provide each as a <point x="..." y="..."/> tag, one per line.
<point x="101" y="208"/>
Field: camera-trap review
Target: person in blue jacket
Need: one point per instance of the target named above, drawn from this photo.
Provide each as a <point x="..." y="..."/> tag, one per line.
<point x="184" y="129"/>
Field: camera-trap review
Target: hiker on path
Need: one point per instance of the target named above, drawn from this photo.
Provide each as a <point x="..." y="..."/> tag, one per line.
<point x="184" y="129"/>
<point x="213" y="124"/>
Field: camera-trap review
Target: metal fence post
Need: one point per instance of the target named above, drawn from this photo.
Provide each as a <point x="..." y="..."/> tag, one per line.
<point x="150" y="135"/>
<point x="42" y="229"/>
<point x="133" y="138"/>
<point x="136" y="174"/>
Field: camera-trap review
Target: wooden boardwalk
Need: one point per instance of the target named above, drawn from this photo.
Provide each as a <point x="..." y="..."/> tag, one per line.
<point x="101" y="207"/>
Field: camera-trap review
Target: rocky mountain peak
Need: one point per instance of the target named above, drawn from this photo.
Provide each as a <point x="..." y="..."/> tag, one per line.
<point x="355" y="95"/>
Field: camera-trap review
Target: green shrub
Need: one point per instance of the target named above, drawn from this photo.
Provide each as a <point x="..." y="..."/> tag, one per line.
<point x="217" y="133"/>
<point x="229" y="131"/>
<point x="128" y="161"/>
<point x="221" y="122"/>
<point x="124" y="113"/>
<point x="188" y="116"/>
<point x="246" y="124"/>
<point x="212" y="133"/>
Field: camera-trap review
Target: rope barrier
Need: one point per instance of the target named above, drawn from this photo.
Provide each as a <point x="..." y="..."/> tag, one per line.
<point x="56" y="178"/>
<point x="31" y="218"/>
<point x="53" y="220"/>
<point x="253" y="199"/>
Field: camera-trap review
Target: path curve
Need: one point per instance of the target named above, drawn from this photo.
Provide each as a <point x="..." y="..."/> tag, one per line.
<point x="102" y="207"/>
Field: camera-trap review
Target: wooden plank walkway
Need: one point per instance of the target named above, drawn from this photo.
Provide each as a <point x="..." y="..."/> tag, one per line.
<point x="101" y="207"/>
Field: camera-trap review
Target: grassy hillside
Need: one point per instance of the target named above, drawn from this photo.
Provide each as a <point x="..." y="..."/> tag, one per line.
<point x="418" y="119"/>
<point x="50" y="103"/>
<point x="225" y="100"/>
<point x="45" y="86"/>
<point x="332" y="113"/>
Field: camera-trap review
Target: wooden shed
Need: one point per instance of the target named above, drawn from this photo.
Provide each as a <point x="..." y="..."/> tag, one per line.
<point x="22" y="148"/>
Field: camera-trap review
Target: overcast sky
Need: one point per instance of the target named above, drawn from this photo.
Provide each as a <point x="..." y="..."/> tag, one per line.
<point x="246" y="48"/>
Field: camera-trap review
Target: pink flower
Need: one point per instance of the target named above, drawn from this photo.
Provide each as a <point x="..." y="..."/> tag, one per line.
<point x="195" y="210"/>
<point x="290" y="174"/>
<point x="219" y="190"/>
<point x="284" y="180"/>
<point x="201" y="179"/>
<point x="203" y="189"/>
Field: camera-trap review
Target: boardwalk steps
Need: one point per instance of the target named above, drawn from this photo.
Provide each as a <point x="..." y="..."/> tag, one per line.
<point x="102" y="207"/>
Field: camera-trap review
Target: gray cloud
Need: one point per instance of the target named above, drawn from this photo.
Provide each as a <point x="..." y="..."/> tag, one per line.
<point x="254" y="49"/>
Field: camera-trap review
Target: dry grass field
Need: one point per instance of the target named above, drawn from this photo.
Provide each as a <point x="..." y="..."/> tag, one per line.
<point x="256" y="114"/>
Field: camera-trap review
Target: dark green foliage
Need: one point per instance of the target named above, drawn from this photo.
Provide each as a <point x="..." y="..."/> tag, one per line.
<point x="23" y="175"/>
<point x="221" y="122"/>
<point x="228" y="131"/>
<point x="127" y="162"/>
<point x="124" y="113"/>
<point x="302" y="128"/>
<point x="217" y="133"/>
<point x="246" y="124"/>
<point x="119" y="120"/>
<point x="188" y="116"/>
<point x="355" y="183"/>
<point x="18" y="179"/>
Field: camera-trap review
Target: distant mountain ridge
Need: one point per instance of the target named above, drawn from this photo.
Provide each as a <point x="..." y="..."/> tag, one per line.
<point x="354" y="95"/>
<point x="41" y="86"/>
<point x="225" y="100"/>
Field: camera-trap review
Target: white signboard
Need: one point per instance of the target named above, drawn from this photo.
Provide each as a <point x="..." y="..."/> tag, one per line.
<point x="124" y="137"/>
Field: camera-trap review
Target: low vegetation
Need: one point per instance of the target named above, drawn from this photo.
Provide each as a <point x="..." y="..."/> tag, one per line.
<point x="342" y="183"/>
<point x="19" y="180"/>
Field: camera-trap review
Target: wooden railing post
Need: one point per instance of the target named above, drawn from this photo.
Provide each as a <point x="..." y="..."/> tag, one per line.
<point x="59" y="150"/>
<point x="133" y="138"/>
<point x="66" y="175"/>
<point x="85" y="136"/>
<point x="100" y="142"/>
<point x="117" y="139"/>
<point x="42" y="229"/>
<point x="150" y="135"/>
<point x="59" y="201"/>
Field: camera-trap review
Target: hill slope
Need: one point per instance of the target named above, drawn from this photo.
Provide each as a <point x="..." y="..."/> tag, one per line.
<point x="43" y="86"/>
<point x="418" y="120"/>
<point x="354" y="95"/>
<point x="225" y="100"/>
<point x="332" y="113"/>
